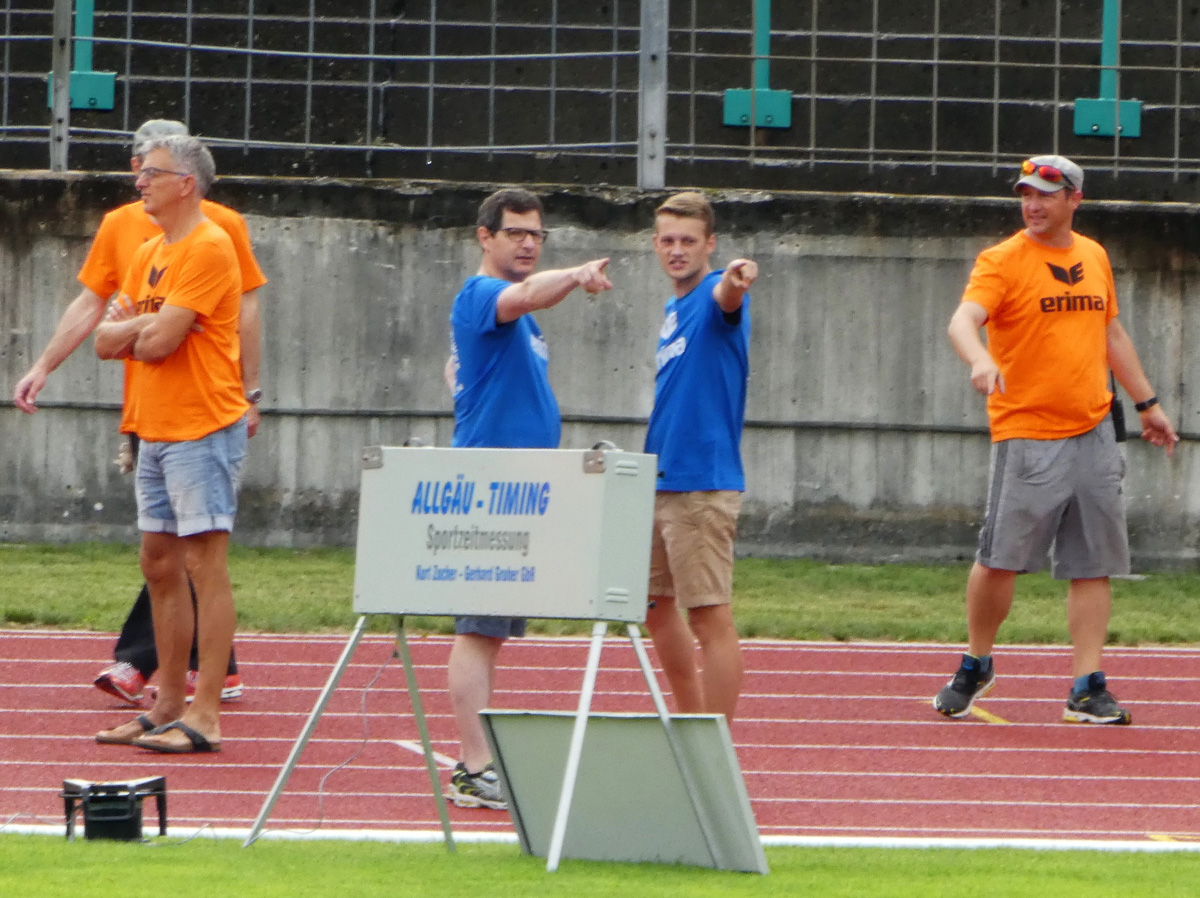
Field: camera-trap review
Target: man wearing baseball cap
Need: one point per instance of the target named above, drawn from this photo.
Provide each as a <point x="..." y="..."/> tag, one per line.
<point x="1046" y="298"/>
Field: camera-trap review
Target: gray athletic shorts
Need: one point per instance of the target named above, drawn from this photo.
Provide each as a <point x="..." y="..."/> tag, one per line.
<point x="1062" y="496"/>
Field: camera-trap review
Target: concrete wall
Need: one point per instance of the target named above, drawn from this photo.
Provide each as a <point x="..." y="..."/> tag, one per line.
<point x="864" y="438"/>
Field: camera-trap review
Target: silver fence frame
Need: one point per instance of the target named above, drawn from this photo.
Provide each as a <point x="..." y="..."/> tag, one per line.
<point x="666" y="50"/>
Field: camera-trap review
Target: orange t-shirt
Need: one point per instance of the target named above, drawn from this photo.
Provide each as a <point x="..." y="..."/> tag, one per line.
<point x="122" y="233"/>
<point x="197" y="389"/>
<point x="1048" y="313"/>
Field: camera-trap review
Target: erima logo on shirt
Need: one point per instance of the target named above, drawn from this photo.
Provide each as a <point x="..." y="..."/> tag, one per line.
<point x="669" y="325"/>
<point x="156" y="275"/>
<point x="539" y="347"/>
<point x="1071" y="302"/>
<point x="150" y="304"/>
<point x="1069" y="276"/>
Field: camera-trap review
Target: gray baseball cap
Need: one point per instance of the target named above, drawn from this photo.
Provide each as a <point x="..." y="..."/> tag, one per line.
<point x="156" y="127"/>
<point x="1032" y="174"/>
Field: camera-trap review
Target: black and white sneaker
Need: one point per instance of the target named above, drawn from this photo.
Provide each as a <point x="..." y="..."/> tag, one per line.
<point x="973" y="679"/>
<point x="476" y="790"/>
<point x="1095" y="704"/>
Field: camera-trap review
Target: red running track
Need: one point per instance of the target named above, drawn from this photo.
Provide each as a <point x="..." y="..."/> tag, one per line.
<point x="835" y="741"/>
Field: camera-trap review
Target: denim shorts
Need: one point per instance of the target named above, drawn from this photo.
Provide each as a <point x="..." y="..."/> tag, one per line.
<point x="493" y="627"/>
<point x="191" y="487"/>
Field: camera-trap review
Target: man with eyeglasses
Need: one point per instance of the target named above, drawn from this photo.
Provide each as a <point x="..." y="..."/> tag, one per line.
<point x="502" y="399"/>
<point x="122" y="231"/>
<point x="177" y="318"/>
<point x="1047" y="300"/>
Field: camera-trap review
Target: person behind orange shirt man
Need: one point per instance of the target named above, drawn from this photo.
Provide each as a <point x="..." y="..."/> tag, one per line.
<point x="177" y="318"/>
<point x="1047" y="299"/>
<point x="121" y="233"/>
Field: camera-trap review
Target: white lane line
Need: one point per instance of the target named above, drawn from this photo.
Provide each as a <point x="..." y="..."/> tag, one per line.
<point x="1103" y="840"/>
<point x="444" y="761"/>
<point x="622" y="642"/>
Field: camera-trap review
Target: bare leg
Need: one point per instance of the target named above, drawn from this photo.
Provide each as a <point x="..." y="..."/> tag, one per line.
<point x="989" y="599"/>
<point x="162" y="559"/>
<point x="676" y="650"/>
<point x="162" y="565"/>
<point x="721" y="656"/>
<point x="1089" y="604"/>
<point x="216" y="621"/>
<point x="471" y="672"/>
<point x="202" y="557"/>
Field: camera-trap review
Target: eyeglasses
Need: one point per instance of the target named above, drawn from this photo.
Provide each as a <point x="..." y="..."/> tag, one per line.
<point x="518" y="235"/>
<point x="150" y="173"/>
<point x="1045" y="172"/>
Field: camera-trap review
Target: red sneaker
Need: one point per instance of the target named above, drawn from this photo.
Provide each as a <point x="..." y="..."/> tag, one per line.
<point x="229" y="692"/>
<point x="122" y="681"/>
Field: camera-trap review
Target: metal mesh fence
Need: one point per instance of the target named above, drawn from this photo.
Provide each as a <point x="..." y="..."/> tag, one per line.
<point x="925" y="96"/>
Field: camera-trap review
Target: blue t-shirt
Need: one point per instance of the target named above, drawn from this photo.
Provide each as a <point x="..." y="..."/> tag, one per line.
<point x="502" y="395"/>
<point x="700" y="393"/>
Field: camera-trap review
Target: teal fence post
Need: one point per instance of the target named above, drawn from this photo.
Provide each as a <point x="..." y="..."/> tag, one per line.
<point x="1107" y="116"/>
<point x="89" y="90"/>
<point x="768" y="108"/>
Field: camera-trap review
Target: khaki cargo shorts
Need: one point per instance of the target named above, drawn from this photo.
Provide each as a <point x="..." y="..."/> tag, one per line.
<point x="691" y="548"/>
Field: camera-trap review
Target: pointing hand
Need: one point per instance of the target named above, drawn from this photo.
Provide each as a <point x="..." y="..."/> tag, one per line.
<point x="591" y="277"/>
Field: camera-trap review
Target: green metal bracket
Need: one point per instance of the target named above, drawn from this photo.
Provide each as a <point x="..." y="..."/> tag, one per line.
<point x="1107" y="116"/>
<point x="768" y="108"/>
<point x="89" y="89"/>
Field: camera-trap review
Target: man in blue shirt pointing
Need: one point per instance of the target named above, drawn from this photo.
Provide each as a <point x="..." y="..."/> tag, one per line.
<point x="502" y="400"/>
<point x="696" y="430"/>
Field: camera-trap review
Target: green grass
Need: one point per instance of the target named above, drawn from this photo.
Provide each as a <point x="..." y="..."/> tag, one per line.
<point x="52" y="868"/>
<point x="801" y="599"/>
<point x="91" y="585"/>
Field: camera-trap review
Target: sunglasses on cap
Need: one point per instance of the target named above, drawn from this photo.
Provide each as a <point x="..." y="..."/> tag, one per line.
<point x="1045" y="172"/>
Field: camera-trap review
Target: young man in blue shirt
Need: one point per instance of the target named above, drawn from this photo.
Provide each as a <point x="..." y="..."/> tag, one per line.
<point x="502" y="400"/>
<point x="695" y="430"/>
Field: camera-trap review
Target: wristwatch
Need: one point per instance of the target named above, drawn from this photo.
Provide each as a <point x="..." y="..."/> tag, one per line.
<point x="254" y="396"/>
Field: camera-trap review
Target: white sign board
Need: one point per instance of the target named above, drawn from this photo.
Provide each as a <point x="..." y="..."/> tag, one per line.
<point x="543" y="533"/>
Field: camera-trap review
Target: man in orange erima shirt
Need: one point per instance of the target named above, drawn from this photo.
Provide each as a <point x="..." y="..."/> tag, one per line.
<point x="121" y="233"/>
<point x="177" y="318"/>
<point x="1047" y="300"/>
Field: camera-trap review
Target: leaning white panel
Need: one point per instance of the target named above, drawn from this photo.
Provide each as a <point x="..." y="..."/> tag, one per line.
<point x="631" y="801"/>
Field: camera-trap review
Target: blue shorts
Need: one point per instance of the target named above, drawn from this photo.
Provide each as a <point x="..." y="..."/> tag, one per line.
<point x="191" y="487"/>
<point x="494" y="627"/>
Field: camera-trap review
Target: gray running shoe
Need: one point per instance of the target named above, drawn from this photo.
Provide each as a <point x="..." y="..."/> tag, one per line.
<point x="972" y="680"/>
<point x="476" y="790"/>
<point x="1095" y="704"/>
